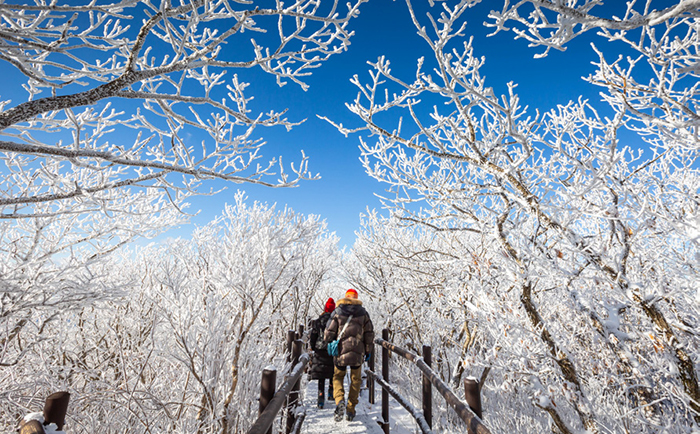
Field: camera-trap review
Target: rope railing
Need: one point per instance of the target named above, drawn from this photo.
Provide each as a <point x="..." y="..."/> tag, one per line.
<point x="465" y="412"/>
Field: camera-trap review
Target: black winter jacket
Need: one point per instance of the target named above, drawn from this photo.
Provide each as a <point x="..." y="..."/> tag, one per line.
<point x="321" y="362"/>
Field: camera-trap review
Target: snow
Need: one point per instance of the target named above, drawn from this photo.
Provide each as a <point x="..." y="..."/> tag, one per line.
<point x="320" y="421"/>
<point x="34" y="416"/>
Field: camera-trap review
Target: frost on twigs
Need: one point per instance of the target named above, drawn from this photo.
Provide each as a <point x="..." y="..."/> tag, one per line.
<point x="134" y="96"/>
<point x="656" y="82"/>
<point x="167" y="337"/>
<point x="125" y="110"/>
<point x="552" y="250"/>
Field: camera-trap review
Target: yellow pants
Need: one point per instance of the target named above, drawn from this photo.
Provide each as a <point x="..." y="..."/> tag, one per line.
<point x="355" y="384"/>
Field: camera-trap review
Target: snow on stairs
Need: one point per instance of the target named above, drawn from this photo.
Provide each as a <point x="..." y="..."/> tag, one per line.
<point x="320" y="421"/>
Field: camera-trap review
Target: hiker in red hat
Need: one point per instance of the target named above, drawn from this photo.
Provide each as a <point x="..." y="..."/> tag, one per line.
<point x="321" y="363"/>
<point x="351" y="326"/>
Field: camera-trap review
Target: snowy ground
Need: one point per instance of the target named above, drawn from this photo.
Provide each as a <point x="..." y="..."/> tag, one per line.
<point x="320" y="421"/>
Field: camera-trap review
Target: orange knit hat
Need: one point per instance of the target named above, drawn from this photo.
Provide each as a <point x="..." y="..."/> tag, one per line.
<point x="351" y="293"/>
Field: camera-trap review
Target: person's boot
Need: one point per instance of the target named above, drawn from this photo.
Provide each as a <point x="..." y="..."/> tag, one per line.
<point x="350" y="415"/>
<point x="339" y="411"/>
<point x="320" y="399"/>
<point x="330" y="392"/>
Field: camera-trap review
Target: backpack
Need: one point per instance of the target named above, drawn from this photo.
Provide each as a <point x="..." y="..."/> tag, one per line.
<point x="319" y="344"/>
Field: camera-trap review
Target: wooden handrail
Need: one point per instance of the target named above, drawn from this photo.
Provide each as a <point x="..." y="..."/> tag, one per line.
<point x="298" y="423"/>
<point x="267" y="417"/>
<point x="474" y="423"/>
<point x="422" y="423"/>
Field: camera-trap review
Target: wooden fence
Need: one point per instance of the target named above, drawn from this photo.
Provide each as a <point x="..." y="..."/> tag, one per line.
<point x="470" y="412"/>
<point x="287" y="395"/>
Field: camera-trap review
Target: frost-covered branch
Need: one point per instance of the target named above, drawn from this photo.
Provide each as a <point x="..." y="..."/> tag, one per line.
<point x="598" y="233"/>
<point x="119" y="87"/>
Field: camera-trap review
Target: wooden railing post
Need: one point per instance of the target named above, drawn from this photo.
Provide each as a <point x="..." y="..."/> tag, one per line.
<point x="467" y="414"/>
<point x="300" y="331"/>
<point x="370" y="379"/>
<point x="55" y="409"/>
<point x="312" y="327"/>
<point x="293" y="398"/>
<point x="427" y="388"/>
<point x="297" y="349"/>
<point x="268" y="416"/>
<point x="291" y="336"/>
<point x="385" y="394"/>
<point x="267" y="390"/>
<point x="472" y="395"/>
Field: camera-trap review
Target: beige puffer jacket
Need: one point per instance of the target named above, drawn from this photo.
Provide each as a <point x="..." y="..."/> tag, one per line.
<point x="358" y="338"/>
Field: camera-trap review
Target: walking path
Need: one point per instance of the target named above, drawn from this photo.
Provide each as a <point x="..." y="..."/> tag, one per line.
<point x="320" y="421"/>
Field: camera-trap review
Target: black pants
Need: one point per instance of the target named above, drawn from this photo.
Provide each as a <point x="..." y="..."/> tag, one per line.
<point x="322" y="386"/>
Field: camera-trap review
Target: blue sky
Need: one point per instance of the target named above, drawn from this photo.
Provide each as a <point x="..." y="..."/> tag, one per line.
<point x="384" y="28"/>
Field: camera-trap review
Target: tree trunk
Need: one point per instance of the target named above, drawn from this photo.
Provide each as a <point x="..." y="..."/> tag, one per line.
<point x="566" y="366"/>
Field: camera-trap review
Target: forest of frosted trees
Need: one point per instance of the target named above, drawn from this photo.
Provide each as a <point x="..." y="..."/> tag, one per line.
<point x="553" y="253"/>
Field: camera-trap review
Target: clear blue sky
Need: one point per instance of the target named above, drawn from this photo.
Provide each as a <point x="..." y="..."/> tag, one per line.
<point x="384" y="28"/>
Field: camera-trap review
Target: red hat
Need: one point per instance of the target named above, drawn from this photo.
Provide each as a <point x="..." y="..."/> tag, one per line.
<point x="330" y="305"/>
<point x="351" y="293"/>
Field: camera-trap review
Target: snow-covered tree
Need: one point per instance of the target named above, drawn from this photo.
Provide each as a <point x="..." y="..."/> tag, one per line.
<point x="112" y="114"/>
<point x="181" y="349"/>
<point x="445" y="289"/>
<point x="50" y="267"/>
<point x="597" y="271"/>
